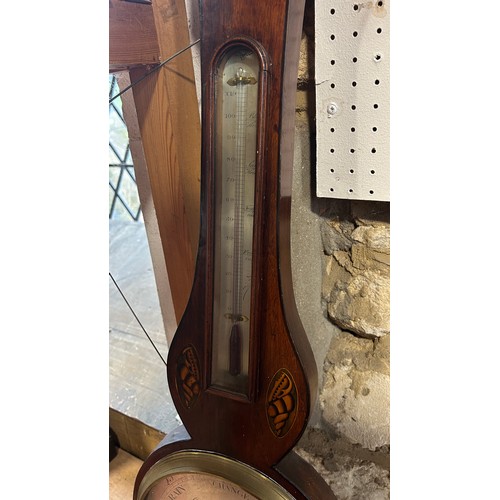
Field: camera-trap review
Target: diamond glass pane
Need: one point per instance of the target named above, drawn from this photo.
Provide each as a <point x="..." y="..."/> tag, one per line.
<point x="118" y="136"/>
<point x="124" y="200"/>
<point x="128" y="192"/>
<point x="114" y="174"/>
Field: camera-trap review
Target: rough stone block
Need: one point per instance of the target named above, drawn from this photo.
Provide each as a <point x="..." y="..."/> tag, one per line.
<point x="355" y="394"/>
<point x="361" y="304"/>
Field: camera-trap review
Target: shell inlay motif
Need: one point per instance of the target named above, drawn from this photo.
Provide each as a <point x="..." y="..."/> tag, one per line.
<point x="188" y="376"/>
<point x="281" y="402"/>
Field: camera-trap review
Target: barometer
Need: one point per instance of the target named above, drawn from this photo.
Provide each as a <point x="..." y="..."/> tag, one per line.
<point x="240" y="369"/>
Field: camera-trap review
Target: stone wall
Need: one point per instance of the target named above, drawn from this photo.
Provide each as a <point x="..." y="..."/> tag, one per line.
<point x="341" y="271"/>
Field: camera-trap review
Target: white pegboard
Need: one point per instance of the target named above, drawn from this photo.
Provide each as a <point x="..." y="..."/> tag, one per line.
<point x="352" y="99"/>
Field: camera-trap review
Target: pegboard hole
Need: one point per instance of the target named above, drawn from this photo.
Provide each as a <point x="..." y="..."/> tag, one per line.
<point x="332" y="150"/>
<point x="331" y="190"/>
<point x="379" y="30"/>
<point x="353" y="129"/>
<point x="356" y="7"/>
<point x="371" y="191"/>
<point x="332" y="37"/>
<point x="377" y="82"/>
<point x="332" y="85"/>
<point x="351" y="190"/>
<point x="332" y="130"/>
<point x="375" y="106"/>
<point x="374" y="129"/>
<point x="332" y="11"/>
<point x="332" y="62"/>
<point x="353" y="107"/>
<point x="354" y="84"/>
<point x="332" y="170"/>
<point x="354" y="59"/>
<point x="352" y="150"/>
<point x="351" y="171"/>
<point x="380" y="3"/>
<point x="377" y="57"/>
<point x="372" y="172"/>
<point x="374" y="150"/>
<point x="355" y="33"/>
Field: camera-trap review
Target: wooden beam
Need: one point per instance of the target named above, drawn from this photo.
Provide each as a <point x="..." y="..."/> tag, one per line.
<point x="173" y="35"/>
<point x="168" y="139"/>
<point x="123" y="470"/>
<point x="148" y="209"/>
<point x="134" y="436"/>
<point x="132" y="35"/>
<point x="161" y="143"/>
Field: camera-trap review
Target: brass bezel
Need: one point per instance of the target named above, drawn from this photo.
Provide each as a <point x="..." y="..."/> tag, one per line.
<point x="195" y="461"/>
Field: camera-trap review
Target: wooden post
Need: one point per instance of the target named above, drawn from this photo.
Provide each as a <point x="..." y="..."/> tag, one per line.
<point x="166" y="139"/>
<point x="173" y="35"/>
<point x="158" y="140"/>
<point x="148" y="209"/>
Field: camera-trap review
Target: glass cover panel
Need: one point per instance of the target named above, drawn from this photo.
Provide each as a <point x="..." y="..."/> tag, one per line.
<point x="237" y="91"/>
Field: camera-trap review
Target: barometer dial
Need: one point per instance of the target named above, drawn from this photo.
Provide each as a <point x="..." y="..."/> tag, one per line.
<point x="196" y="486"/>
<point x="196" y="475"/>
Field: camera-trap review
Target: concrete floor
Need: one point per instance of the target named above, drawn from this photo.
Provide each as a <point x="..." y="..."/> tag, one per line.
<point x="137" y="376"/>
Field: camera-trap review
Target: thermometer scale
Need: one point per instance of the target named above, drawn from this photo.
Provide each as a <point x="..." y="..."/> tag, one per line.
<point x="235" y="190"/>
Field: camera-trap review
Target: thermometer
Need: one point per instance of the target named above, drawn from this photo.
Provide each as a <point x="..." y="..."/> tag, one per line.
<point x="237" y="92"/>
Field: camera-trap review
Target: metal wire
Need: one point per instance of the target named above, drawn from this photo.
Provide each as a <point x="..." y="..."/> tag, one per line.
<point x="138" y="320"/>
<point x="156" y="68"/>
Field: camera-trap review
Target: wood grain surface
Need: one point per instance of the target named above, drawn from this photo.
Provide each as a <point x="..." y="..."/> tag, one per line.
<point x="122" y="472"/>
<point x="132" y="35"/>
